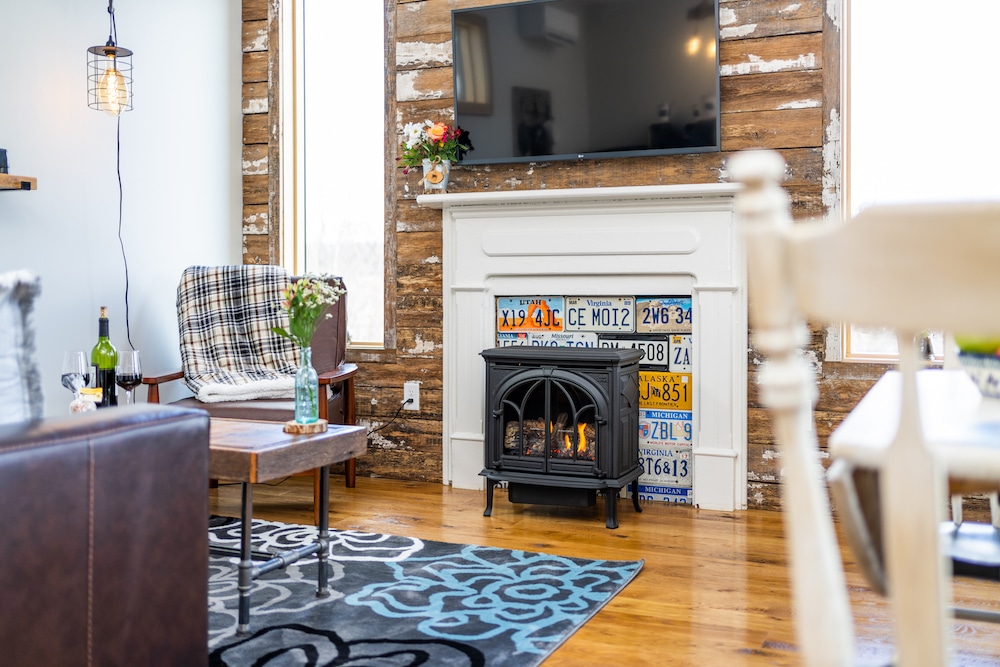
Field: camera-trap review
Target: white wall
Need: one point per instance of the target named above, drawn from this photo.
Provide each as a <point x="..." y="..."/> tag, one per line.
<point x="180" y="169"/>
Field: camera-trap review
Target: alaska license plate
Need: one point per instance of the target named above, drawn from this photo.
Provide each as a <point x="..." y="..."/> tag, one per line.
<point x="535" y="313"/>
<point x="600" y="313"/>
<point x="655" y="351"/>
<point x="663" y="314"/>
<point x="664" y="391"/>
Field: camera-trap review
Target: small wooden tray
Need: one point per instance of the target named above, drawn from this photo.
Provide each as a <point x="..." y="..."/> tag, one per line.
<point x="296" y="428"/>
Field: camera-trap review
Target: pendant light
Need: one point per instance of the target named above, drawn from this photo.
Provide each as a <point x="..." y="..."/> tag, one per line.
<point x="109" y="74"/>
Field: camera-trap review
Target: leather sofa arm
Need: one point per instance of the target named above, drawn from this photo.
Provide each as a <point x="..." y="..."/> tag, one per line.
<point x="105" y="519"/>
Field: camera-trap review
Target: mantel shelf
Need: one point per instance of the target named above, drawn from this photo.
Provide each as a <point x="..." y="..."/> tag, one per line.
<point x="12" y="182"/>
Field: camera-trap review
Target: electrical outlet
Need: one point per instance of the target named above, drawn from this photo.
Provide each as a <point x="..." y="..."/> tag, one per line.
<point x="411" y="390"/>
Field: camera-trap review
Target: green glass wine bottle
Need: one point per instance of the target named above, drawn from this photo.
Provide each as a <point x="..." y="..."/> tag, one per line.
<point x="104" y="357"/>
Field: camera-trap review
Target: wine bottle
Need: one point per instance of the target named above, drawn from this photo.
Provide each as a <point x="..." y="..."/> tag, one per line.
<point x="105" y="357"/>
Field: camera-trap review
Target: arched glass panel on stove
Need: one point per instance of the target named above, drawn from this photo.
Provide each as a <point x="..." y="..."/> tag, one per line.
<point x="549" y="418"/>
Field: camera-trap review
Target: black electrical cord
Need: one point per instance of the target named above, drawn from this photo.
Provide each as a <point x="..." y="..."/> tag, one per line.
<point x="121" y="243"/>
<point x="401" y="406"/>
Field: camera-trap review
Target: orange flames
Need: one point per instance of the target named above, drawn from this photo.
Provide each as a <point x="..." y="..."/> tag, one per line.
<point x="581" y="442"/>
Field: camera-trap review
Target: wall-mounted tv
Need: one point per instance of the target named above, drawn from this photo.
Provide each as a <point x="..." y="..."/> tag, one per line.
<point x="586" y="79"/>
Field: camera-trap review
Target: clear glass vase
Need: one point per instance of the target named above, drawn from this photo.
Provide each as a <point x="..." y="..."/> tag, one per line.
<point x="306" y="390"/>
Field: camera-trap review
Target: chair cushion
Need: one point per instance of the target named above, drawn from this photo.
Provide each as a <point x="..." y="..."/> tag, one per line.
<point x="20" y="381"/>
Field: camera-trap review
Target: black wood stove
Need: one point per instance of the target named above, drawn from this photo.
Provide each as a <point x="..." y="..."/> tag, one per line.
<point x="562" y="423"/>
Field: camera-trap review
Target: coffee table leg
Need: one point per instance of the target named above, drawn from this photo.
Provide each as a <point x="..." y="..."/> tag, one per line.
<point x="322" y="589"/>
<point x="245" y="581"/>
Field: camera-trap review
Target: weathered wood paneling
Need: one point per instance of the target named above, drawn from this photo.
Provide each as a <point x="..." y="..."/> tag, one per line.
<point x="255" y="10"/>
<point x="255" y="219"/>
<point x="255" y="98"/>
<point x="255" y="128"/>
<point x="255" y="67"/>
<point x="784" y="53"/>
<point x="255" y="35"/>
<point x="765" y="18"/>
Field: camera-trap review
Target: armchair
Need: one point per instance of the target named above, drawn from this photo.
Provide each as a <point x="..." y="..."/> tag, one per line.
<point x="245" y="299"/>
<point x="910" y="268"/>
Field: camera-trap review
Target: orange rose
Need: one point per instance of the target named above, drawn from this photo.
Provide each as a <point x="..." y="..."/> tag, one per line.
<point x="437" y="132"/>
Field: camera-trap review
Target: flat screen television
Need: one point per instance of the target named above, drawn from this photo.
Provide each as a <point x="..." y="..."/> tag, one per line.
<point x="587" y="79"/>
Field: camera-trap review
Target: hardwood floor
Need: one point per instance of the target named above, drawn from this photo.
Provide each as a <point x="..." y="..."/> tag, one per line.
<point x="713" y="590"/>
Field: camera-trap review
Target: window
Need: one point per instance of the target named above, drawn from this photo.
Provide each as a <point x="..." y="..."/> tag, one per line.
<point x="919" y="115"/>
<point x="334" y="153"/>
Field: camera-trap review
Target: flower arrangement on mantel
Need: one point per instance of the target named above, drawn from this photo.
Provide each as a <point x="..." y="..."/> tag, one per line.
<point x="307" y="301"/>
<point x="432" y="141"/>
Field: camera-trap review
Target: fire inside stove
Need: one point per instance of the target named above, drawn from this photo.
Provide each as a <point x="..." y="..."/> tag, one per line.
<point x="533" y="437"/>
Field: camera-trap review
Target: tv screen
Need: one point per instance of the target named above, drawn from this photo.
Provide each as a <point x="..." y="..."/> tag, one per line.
<point x="582" y="79"/>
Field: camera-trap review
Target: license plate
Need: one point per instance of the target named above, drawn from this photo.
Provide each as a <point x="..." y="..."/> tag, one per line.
<point x="600" y="313"/>
<point x="655" y="352"/>
<point x="562" y="339"/>
<point x="512" y="339"/>
<point x="680" y="353"/>
<point x="666" y="494"/>
<point x="538" y="313"/>
<point x="663" y="315"/>
<point x="665" y="428"/>
<point x="667" y="466"/>
<point x="664" y="391"/>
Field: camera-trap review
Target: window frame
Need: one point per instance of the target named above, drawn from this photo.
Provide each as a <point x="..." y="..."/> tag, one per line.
<point x="292" y="233"/>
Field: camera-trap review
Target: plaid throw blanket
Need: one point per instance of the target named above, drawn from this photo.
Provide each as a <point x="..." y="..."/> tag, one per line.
<point x="225" y="315"/>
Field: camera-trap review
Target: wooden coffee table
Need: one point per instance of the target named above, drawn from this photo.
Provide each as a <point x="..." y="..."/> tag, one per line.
<point x="255" y="451"/>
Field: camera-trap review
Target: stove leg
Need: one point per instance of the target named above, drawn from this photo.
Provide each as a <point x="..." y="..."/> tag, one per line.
<point x="635" y="496"/>
<point x="611" y="508"/>
<point x="490" y="485"/>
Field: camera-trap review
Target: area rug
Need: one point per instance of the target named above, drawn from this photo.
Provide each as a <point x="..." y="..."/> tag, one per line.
<point x="402" y="602"/>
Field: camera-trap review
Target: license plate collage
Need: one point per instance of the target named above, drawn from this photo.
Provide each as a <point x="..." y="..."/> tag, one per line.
<point x="660" y="326"/>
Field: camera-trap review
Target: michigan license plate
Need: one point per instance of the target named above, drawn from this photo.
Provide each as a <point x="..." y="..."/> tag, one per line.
<point x="538" y="313"/>
<point x="600" y="313"/>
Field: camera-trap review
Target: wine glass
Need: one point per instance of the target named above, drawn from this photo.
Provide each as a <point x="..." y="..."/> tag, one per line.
<point x="128" y="373"/>
<point x="75" y="371"/>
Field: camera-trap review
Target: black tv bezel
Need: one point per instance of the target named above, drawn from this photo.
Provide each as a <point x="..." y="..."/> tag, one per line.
<point x="592" y="155"/>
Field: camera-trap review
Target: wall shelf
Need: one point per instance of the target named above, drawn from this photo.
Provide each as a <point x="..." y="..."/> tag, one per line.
<point x="12" y="182"/>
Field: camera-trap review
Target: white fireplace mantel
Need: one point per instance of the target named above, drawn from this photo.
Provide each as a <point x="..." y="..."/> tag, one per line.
<point x="650" y="240"/>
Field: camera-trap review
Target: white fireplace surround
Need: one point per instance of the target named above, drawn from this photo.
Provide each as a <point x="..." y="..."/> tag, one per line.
<point x="650" y="240"/>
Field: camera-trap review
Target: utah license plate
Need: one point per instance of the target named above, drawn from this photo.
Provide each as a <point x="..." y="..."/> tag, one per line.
<point x="537" y="313"/>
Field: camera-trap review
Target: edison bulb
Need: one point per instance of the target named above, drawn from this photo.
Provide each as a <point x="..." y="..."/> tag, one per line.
<point x="112" y="92"/>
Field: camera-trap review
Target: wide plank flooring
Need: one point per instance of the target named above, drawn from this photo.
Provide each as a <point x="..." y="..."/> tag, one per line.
<point x="714" y="589"/>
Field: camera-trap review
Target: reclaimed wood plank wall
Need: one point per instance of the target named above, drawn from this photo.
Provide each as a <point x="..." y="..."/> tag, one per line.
<point x="780" y="88"/>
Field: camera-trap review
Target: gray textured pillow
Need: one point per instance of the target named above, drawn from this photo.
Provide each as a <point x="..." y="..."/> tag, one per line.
<point x="20" y="381"/>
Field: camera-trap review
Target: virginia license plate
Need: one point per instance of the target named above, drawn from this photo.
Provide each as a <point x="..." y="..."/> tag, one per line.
<point x="538" y="313"/>
<point x="655" y="351"/>
<point x="667" y="466"/>
<point x="664" y="391"/>
<point x="663" y="315"/>
<point x="600" y="313"/>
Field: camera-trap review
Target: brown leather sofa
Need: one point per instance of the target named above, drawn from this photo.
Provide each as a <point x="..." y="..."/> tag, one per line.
<point x="104" y="542"/>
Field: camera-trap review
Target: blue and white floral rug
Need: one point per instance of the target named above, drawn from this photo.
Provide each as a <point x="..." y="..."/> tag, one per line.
<point x="402" y="602"/>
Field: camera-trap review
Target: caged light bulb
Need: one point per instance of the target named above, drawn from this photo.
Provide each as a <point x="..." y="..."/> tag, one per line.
<point x="112" y="91"/>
